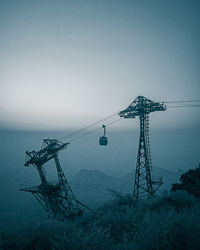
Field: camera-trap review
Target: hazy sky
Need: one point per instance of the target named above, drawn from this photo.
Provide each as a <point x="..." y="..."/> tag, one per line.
<point x="68" y="63"/>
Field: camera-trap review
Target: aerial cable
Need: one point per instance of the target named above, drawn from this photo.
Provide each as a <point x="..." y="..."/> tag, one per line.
<point x="85" y="134"/>
<point x="182" y="101"/>
<point x="108" y="124"/>
<point x="184" y="106"/>
<point x="80" y="130"/>
<point x="110" y="116"/>
<point x="90" y="132"/>
<point x="112" y="122"/>
<point x="91" y="125"/>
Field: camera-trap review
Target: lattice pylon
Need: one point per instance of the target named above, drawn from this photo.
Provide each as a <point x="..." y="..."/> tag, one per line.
<point x="143" y="184"/>
<point x="56" y="198"/>
<point x="141" y="107"/>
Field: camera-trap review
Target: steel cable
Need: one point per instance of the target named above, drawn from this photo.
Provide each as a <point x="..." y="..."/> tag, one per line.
<point x="91" y="125"/>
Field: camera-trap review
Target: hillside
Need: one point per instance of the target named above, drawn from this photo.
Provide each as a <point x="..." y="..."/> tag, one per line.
<point x="91" y="186"/>
<point x="168" y="222"/>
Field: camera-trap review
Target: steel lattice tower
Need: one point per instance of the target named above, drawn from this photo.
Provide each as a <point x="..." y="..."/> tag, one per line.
<point x="56" y="198"/>
<point x="144" y="186"/>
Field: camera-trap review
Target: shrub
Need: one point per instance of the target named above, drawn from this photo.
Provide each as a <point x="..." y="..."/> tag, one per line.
<point x="167" y="222"/>
<point x="190" y="182"/>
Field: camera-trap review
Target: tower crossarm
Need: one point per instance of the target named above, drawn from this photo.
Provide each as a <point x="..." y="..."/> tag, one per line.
<point x="140" y="106"/>
<point x="49" y="148"/>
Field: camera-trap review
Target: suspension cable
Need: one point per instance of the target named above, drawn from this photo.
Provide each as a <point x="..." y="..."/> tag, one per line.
<point x="110" y="116"/>
<point x="182" y="101"/>
<point x="90" y="132"/>
<point x="91" y="125"/>
<point x="184" y="106"/>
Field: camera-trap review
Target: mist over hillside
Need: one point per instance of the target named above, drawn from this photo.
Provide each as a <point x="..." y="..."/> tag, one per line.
<point x="75" y="75"/>
<point x="107" y="167"/>
<point x="94" y="187"/>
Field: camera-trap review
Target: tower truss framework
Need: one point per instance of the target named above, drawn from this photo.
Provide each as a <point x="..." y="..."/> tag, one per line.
<point x="56" y="197"/>
<point x="144" y="186"/>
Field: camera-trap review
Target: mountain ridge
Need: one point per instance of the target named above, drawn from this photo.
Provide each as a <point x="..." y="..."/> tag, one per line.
<point x="92" y="186"/>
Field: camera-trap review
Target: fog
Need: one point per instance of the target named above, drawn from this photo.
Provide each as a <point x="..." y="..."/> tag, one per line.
<point x="171" y="149"/>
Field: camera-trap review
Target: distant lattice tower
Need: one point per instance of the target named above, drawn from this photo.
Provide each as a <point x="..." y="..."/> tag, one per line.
<point x="144" y="186"/>
<point x="56" y="198"/>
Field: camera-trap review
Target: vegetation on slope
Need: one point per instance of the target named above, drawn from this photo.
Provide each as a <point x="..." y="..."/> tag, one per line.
<point x="190" y="182"/>
<point x="167" y="222"/>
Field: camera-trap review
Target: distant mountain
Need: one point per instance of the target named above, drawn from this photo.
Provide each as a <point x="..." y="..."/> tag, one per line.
<point x="95" y="179"/>
<point x="91" y="186"/>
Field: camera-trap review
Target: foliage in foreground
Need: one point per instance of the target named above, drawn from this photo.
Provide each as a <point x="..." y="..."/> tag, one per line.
<point x="190" y="182"/>
<point x="167" y="222"/>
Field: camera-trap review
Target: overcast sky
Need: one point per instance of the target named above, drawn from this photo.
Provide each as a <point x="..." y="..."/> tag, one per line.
<point x="67" y="63"/>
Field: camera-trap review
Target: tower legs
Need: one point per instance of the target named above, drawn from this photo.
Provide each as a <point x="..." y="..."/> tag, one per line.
<point x="55" y="197"/>
<point x="143" y="186"/>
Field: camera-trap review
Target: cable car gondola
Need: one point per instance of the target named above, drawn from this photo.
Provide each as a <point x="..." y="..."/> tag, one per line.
<point x="103" y="140"/>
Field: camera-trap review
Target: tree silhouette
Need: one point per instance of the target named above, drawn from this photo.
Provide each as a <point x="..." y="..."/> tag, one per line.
<point x="190" y="182"/>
